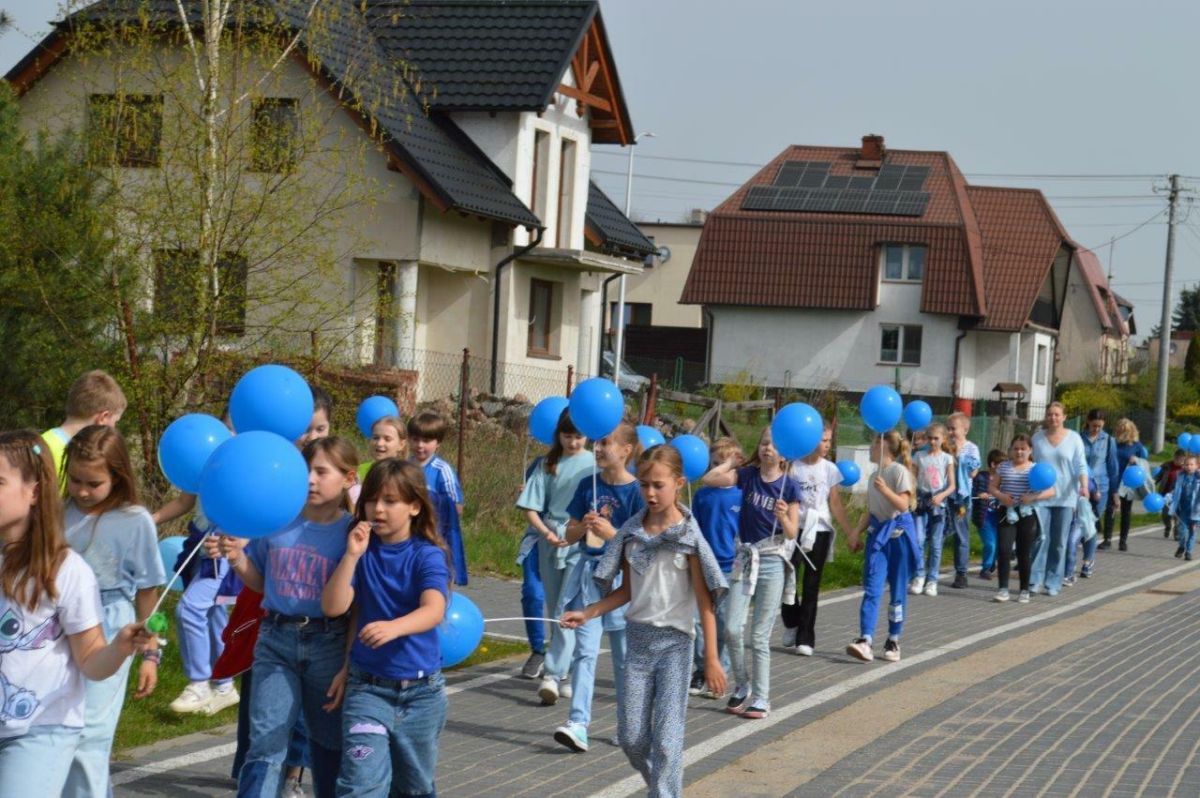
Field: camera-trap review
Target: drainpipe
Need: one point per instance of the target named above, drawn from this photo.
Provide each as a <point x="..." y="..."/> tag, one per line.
<point x="603" y="318"/>
<point x="507" y="259"/>
<point x="954" y="380"/>
<point x="708" y="342"/>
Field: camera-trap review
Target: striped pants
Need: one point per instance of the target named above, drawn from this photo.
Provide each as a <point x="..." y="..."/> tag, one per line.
<point x="650" y="718"/>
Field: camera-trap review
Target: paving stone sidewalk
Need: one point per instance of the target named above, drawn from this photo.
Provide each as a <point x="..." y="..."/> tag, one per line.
<point x="498" y="739"/>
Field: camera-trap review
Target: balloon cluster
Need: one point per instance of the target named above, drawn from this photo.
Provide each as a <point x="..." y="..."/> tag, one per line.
<point x="1189" y="442"/>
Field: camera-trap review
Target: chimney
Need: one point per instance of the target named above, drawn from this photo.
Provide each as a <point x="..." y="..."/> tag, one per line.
<point x="872" y="148"/>
<point x="698" y="216"/>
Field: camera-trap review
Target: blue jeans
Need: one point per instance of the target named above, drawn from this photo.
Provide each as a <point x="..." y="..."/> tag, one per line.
<point x="988" y="536"/>
<point x="1074" y="538"/>
<point x="1050" y="560"/>
<point x="888" y="564"/>
<point x="39" y="755"/>
<point x="1187" y="535"/>
<point x="533" y="601"/>
<point x="562" y="641"/>
<point x="390" y="731"/>
<point x="1089" y="546"/>
<point x="201" y="621"/>
<point x="722" y="612"/>
<point x="958" y="519"/>
<point x="768" y="592"/>
<point x="293" y="668"/>
<point x="931" y="528"/>
<point x="583" y="665"/>
<point x="89" y="768"/>
<point x="297" y="750"/>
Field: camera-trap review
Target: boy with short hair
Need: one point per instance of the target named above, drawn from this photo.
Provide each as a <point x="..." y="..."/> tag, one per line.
<point x="94" y="398"/>
<point x="426" y="431"/>
<point x="1186" y="503"/>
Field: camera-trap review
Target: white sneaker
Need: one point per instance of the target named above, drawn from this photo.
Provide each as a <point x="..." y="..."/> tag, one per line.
<point x="548" y="691"/>
<point x="194" y="698"/>
<point x="564" y="689"/>
<point x="916" y="585"/>
<point x="931" y="588"/>
<point x="292" y="789"/>
<point x="1023" y="597"/>
<point x="804" y="651"/>
<point x="221" y="699"/>
<point x="1001" y="595"/>
<point x="789" y="636"/>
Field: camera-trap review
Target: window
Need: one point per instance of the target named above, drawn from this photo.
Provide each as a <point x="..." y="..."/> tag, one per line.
<point x="566" y="192"/>
<point x="274" y="134"/>
<point x="900" y="344"/>
<point x="177" y="282"/>
<point x="1039" y="364"/>
<point x="636" y="313"/>
<point x="125" y="129"/>
<point x="903" y="262"/>
<point x="541" y="317"/>
<point x="541" y="173"/>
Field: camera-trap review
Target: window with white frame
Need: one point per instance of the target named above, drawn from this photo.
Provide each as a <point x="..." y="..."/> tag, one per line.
<point x="900" y="344"/>
<point x="903" y="262"/>
<point x="539" y="189"/>
<point x="1039" y="364"/>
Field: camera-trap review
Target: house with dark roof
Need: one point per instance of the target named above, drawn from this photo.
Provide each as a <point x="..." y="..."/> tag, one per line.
<point x="854" y="266"/>
<point x="485" y="230"/>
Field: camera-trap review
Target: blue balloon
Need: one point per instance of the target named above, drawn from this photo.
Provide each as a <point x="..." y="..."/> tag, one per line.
<point x="1157" y="470"/>
<point x="460" y="631"/>
<point x="1194" y="444"/>
<point x="649" y="437"/>
<point x="694" y="453"/>
<point x="796" y="431"/>
<point x="371" y="410"/>
<point x="1153" y="503"/>
<point x="881" y="407"/>
<point x="918" y="414"/>
<point x="170" y="549"/>
<point x="1185" y="441"/>
<point x="597" y="407"/>
<point x="185" y="447"/>
<point x="1041" y="477"/>
<point x="543" y="421"/>
<point x="851" y="473"/>
<point x="1133" y="477"/>
<point x="254" y="485"/>
<point x="272" y="399"/>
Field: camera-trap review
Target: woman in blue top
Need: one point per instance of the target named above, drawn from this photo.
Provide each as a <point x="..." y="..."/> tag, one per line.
<point x="1101" y="452"/>
<point x="300" y="657"/>
<point x="1129" y="451"/>
<point x="595" y="518"/>
<point x="399" y="581"/>
<point x="1062" y="449"/>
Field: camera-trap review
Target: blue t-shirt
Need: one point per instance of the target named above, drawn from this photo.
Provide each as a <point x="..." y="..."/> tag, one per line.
<point x="757" y="516"/>
<point x="388" y="583"/>
<point x="617" y="503"/>
<point x="717" y="511"/>
<point x="121" y="546"/>
<point x="440" y="478"/>
<point x="297" y="562"/>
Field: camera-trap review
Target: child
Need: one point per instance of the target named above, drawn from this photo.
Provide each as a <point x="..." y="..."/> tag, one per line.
<point x="94" y="398"/>
<point x="762" y="568"/>
<point x="389" y="438"/>
<point x="396" y="572"/>
<point x="1018" y="522"/>
<point x="1186" y="501"/>
<point x="818" y="479"/>
<point x="1166" y="484"/>
<point x="1129" y="451"/>
<point x="321" y="422"/>
<point x="533" y="594"/>
<point x="935" y="485"/>
<point x="716" y="511"/>
<point x="52" y="621"/>
<point x="425" y="433"/>
<point x="596" y="515"/>
<point x="299" y="659"/>
<point x="544" y="500"/>
<point x="116" y="537"/>
<point x="958" y="507"/>
<point x="891" y="546"/>
<point x="668" y="572"/>
<point x="984" y="513"/>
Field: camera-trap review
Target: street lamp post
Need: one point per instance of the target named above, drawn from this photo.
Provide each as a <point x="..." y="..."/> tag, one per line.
<point x="619" y="346"/>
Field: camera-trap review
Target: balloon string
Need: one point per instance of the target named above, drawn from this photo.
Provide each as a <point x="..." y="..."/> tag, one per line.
<point x="175" y="576"/>
<point x="525" y="459"/>
<point x="520" y="618"/>
<point x="594" y="470"/>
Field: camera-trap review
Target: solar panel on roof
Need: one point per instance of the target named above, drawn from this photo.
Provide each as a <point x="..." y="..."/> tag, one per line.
<point x="807" y="186"/>
<point x="862" y="183"/>
<point x="837" y="181"/>
<point x="813" y="178"/>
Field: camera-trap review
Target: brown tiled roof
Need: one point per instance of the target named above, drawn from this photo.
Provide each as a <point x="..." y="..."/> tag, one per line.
<point x="828" y="260"/>
<point x="1097" y="283"/>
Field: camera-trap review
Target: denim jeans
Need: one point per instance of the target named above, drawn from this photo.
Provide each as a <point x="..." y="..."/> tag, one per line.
<point x="931" y="529"/>
<point x="562" y="641"/>
<point x="40" y="756"/>
<point x="1050" y="560"/>
<point x="889" y="564"/>
<point x="767" y="593"/>
<point x="1089" y="546"/>
<point x="958" y="520"/>
<point x="583" y="665"/>
<point x="722" y="612"/>
<point x="533" y="601"/>
<point x="390" y="731"/>
<point x="200" y="623"/>
<point x="988" y="535"/>
<point x="293" y="668"/>
<point x="1187" y="536"/>
<point x="297" y="749"/>
<point x="1074" y="538"/>
<point x="89" y="768"/>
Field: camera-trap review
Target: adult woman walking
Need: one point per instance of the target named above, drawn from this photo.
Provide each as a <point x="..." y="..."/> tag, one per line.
<point x="1063" y="450"/>
<point x="1100" y="450"/>
<point x="1129" y="451"/>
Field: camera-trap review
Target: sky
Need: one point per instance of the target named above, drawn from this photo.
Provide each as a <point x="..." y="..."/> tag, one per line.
<point x="1087" y="101"/>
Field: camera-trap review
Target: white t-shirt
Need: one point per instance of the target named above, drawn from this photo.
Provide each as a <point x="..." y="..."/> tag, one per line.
<point x="817" y="481"/>
<point x="932" y="469"/>
<point x="663" y="595"/>
<point x="40" y="682"/>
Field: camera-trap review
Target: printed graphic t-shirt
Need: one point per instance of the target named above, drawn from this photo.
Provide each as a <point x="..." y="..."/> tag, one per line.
<point x="757" y="517"/>
<point x="297" y="562"/>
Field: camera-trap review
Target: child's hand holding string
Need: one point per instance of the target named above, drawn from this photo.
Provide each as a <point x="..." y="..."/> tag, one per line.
<point x="230" y="548"/>
<point x="781" y="510"/>
<point x="599" y="525"/>
<point x="573" y="619"/>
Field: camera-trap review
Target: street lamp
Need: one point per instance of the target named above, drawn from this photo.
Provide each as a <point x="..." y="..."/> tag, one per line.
<point x="619" y="346"/>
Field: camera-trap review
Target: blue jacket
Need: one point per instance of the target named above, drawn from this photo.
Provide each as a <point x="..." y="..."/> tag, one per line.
<point x="881" y="533"/>
<point x="1128" y="450"/>
<point x="1186" y="498"/>
<point x="1101" y="456"/>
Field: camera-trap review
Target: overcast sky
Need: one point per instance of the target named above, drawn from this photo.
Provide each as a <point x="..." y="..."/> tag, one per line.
<point x="1025" y="87"/>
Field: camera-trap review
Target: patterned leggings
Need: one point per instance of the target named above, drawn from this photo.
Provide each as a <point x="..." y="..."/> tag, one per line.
<point x="650" y="719"/>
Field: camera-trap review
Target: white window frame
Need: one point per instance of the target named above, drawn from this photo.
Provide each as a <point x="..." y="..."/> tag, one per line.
<point x="1041" y="360"/>
<point x="905" y="262"/>
<point x="903" y="333"/>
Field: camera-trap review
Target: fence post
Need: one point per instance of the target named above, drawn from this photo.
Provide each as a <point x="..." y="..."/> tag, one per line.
<point x="570" y="379"/>
<point x="833" y="424"/>
<point x="651" y="400"/>
<point x="463" y="388"/>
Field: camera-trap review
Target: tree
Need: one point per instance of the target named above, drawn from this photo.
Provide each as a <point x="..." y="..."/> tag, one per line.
<point x="5" y="21"/>
<point x="1186" y="316"/>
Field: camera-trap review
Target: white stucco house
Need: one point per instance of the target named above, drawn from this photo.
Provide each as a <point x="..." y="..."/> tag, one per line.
<point x="854" y="266"/>
<point x="484" y="228"/>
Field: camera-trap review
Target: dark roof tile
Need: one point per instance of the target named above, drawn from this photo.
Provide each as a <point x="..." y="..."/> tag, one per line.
<point x="612" y="229"/>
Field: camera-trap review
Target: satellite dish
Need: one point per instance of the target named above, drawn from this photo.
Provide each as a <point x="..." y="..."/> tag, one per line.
<point x="664" y="254"/>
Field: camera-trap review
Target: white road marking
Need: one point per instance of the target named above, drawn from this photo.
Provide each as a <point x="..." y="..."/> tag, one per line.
<point x="174" y="763"/>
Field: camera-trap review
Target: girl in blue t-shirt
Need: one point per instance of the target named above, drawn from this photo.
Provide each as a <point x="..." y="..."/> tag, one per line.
<point x="768" y="523"/>
<point x="300" y="656"/>
<point x="117" y="538"/>
<point x="398" y="579"/>
<point x="595" y="518"/>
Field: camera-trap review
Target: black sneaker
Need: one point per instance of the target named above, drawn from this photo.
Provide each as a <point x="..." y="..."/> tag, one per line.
<point x="1179" y="553"/>
<point x="1124" y="546"/>
<point x="960" y="581"/>
<point x="533" y="667"/>
<point x="1188" y="556"/>
<point x="1105" y="544"/>
<point x="697" y="685"/>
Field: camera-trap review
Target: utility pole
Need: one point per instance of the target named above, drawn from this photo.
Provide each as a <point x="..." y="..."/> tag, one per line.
<point x="1164" y="333"/>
